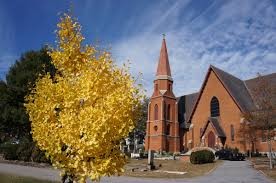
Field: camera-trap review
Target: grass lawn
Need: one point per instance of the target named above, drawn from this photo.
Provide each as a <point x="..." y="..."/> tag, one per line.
<point x="262" y="164"/>
<point x="6" y="178"/>
<point x="168" y="165"/>
<point x="269" y="173"/>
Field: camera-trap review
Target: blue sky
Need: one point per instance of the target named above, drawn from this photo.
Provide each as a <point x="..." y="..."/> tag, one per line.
<point x="236" y="36"/>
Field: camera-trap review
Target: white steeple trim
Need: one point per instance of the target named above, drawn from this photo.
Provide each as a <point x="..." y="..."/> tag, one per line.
<point x="162" y="91"/>
<point x="164" y="77"/>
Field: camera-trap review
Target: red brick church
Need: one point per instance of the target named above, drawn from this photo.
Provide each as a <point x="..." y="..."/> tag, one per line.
<point x="210" y="117"/>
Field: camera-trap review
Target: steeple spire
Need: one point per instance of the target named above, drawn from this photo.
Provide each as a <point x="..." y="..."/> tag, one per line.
<point x="163" y="68"/>
<point x="163" y="108"/>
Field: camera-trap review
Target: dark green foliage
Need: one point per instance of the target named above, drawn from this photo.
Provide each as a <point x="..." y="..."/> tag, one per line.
<point x="254" y="154"/>
<point x="202" y="156"/>
<point x="9" y="151"/>
<point x="24" y="151"/>
<point x="234" y="150"/>
<point x="128" y="154"/>
<point x="14" y="122"/>
<point x="26" y="70"/>
<point x="38" y="156"/>
<point x="140" y="123"/>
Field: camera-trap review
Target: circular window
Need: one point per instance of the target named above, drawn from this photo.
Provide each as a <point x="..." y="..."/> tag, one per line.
<point x="155" y="128"/>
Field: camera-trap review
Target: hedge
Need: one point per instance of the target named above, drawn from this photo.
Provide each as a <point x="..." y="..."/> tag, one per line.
<point x="202" y="156"/>
<point x="9" y="151"/>
<point x="24" y="151"/>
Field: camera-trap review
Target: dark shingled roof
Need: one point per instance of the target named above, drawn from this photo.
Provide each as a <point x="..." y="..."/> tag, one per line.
<point x="238" y="89"/>
<point x="216" y="124"/>
<point x="181" y="108"/>
<point x="185" y="106"/>
<point x="189" y="104"/>
<point x="252" y="84"/>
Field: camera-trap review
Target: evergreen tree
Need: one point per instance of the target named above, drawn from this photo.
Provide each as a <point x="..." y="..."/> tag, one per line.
<point x="14" y="122"/>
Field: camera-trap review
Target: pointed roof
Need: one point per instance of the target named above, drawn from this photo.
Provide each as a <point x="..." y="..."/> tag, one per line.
<point x="163" y="68"/>
<point x="215" y="122"/>
<point x="233" y="85"/>
<point x="237" y="89"/>
<point x="240" y="91"/>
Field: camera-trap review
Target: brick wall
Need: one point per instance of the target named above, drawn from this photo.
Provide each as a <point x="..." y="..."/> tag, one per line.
<point x="230" y="113"/>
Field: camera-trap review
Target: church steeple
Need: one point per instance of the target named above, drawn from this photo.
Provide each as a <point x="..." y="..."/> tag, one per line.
<point x="163" y="68"/>
<point x="162" y="126"/>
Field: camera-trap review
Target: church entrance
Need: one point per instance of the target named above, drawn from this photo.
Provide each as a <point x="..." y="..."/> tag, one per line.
<point x="211" y="139"/>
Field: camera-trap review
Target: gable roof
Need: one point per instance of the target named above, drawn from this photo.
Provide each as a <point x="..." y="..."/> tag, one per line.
<point x="216" y="124"/>
<point x="228" y="81"/>
<point x="238" y="89"/>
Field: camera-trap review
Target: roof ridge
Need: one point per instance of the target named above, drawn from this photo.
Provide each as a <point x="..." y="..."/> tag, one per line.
<point x="194" y="93"/>
<point x="216" y="68"/>
<point x="250" y="94"/>
<point x="266" y="75"/>
<point x="233" y="85"/>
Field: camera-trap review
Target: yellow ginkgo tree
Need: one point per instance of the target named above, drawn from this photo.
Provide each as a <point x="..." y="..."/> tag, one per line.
<point x="79" y="116"/>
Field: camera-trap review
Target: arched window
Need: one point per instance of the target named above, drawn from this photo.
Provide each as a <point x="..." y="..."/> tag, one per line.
<point x="169" y="112"/>
<point x="214" y="107"/>
<point x="156" y="112"/>
<point x="232" y="133"/>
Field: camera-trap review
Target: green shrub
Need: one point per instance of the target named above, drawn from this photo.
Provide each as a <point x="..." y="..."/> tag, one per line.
<point x="9" y="151"/>
<point x="128" y="154"/>
<point x="234" y="150"/>
<point x="43" y="158"/>
<point x="39" y="156"/>
<point x="202" y="156"/>
<point x="24" y="150"/>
